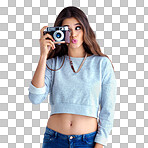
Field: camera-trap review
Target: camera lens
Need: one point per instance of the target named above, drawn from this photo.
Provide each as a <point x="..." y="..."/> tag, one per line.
<point x="58" y="35"/>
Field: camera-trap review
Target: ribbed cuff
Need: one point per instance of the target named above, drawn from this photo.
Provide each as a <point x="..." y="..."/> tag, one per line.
<point x="34" y="90"/>
<point x="100" y="140"/>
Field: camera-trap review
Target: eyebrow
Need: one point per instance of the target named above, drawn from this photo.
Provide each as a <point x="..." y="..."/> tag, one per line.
<point x="75" y="24"/>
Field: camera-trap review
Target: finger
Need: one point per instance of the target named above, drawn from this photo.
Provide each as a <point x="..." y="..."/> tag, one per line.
<point x="41" y="31"/>
<point x="49" y="46"/>
<point x="52" y="44"/>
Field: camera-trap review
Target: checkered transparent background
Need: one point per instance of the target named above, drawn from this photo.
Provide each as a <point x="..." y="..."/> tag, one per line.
<point x="121" y="28"/>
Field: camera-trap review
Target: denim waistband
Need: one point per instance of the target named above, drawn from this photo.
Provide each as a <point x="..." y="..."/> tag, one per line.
<point x="63" y="136"/>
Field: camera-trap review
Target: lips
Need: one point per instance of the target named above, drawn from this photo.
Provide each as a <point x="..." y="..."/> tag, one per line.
<point x="74" y="41"/>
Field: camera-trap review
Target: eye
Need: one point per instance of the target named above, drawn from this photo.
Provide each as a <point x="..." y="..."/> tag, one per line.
<point x="78" y="27"/>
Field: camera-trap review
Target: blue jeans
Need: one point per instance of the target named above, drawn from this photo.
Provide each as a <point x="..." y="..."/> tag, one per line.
<point x="53" y="139"/>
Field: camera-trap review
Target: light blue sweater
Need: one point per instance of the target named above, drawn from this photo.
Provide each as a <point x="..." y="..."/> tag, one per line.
<point x="81" y="93"/>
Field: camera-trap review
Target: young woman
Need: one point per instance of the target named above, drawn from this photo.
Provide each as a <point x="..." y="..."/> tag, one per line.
<point x="80" y="80"/>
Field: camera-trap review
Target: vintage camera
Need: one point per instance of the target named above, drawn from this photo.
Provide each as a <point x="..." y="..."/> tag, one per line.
<point x="59" y="34"/>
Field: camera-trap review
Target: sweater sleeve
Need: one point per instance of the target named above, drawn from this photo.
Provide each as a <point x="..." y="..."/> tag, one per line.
<point x="38" y="95"/>
<point x="107" y="103"/>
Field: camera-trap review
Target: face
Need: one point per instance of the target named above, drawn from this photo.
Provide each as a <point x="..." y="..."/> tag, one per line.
<point x="76" y="38"/>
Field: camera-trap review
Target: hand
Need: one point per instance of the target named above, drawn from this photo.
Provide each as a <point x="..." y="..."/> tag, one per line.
<point x="97" y="145"/>
<point x="46" y="45"/>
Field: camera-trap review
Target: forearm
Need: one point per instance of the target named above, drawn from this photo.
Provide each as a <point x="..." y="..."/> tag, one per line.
<point x="38" y="78"/>
<point x="97" y="145"/>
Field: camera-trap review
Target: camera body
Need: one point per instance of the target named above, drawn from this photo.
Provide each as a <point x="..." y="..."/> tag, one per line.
<point x="59" y="34"/>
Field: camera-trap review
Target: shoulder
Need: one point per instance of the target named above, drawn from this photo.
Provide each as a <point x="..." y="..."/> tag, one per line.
<point x="54" y="60"/>
<point x="103" y="60"/>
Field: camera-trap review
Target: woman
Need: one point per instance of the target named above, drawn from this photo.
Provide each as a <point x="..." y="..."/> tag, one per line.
<point x="80" y="80"/>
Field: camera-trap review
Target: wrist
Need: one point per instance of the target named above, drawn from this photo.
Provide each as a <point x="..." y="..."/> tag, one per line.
<point x="98" y="145"/>
<point x="42" y="56"/>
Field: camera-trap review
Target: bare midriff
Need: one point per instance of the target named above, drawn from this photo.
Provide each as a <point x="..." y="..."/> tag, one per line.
<point x="72" y="124"/>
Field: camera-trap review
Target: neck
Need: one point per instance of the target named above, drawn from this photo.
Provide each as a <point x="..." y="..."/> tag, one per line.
<point x="78" y="53"/>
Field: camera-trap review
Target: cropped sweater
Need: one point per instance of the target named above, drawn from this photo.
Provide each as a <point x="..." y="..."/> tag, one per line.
<point x="83" y="93"/>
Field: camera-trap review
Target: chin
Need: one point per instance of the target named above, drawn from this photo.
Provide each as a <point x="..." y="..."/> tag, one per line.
<point x="74" y="46"/>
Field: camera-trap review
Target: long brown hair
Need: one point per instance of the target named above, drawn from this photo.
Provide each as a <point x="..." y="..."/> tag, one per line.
<point x="90" y="44"/>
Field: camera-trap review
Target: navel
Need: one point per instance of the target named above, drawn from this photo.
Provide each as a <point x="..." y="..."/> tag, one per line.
<point x="70" y="123"/>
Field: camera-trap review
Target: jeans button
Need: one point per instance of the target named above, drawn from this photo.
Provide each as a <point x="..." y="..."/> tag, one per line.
<point x="71" y="137"/>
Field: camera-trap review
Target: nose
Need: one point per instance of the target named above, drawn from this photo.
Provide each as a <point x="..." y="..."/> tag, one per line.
<point x="73" y="33"/>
